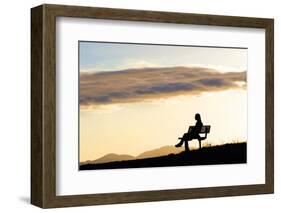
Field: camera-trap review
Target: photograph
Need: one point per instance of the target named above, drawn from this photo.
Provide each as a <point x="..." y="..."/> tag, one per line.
<point x="159" y="105"/>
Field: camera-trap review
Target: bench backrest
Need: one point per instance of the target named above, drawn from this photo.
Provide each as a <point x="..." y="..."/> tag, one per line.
<point x="204" y="129"/>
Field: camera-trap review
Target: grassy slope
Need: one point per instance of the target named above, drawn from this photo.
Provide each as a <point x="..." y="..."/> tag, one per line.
<point x="224" y="154"/>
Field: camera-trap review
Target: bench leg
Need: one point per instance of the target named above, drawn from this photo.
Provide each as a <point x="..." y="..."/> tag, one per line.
<point x="199" y="144"/>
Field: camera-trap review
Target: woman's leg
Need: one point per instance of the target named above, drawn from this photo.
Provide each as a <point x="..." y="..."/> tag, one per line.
<point x="186" y="145"/>
<point x="183" y="139"/>
<point x="189" y="137"/>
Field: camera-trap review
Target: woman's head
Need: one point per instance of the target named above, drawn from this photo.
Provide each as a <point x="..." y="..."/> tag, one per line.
<point x="197" y="117"/>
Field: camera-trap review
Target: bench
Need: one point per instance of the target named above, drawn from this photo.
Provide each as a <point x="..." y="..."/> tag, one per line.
<point x="204" y="130"/>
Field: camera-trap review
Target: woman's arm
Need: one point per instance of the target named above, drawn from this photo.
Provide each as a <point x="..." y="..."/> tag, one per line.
<point x="198" y="127"/>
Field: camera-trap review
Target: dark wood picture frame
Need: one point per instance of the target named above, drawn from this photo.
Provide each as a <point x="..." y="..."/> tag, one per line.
<point x="43" y="105"/>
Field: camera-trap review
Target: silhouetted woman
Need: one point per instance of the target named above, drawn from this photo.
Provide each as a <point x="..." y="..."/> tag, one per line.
<point x="193" y="134"/>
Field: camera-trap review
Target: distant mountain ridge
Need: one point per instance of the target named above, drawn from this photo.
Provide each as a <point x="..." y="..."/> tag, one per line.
<point x="113" y="157"/>
<point x="165" y="150"/>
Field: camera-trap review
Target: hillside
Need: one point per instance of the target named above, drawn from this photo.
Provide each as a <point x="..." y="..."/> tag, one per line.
<point x="223" y="154"/>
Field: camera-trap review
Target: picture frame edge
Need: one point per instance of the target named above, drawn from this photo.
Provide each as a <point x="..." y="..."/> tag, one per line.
<point x="43" y="103"/>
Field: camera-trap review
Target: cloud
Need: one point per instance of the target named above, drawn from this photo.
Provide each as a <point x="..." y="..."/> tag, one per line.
<point x="133" y="85"/>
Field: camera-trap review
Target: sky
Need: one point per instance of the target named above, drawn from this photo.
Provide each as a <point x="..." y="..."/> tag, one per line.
<point x="98" y="56"/>
<point x="135" y="98"/>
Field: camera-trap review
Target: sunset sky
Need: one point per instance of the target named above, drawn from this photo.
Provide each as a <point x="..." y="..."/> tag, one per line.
<point x="135" y="98"/>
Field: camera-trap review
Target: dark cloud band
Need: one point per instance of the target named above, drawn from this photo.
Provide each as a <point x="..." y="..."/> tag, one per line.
<point x="134" y="85"/>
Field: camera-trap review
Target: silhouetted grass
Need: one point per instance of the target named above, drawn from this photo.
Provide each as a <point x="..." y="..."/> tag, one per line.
<point x="222" y="154"/>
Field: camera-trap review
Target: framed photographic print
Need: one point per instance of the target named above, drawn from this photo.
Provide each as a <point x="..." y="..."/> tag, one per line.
<point x="136" y="106"/>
